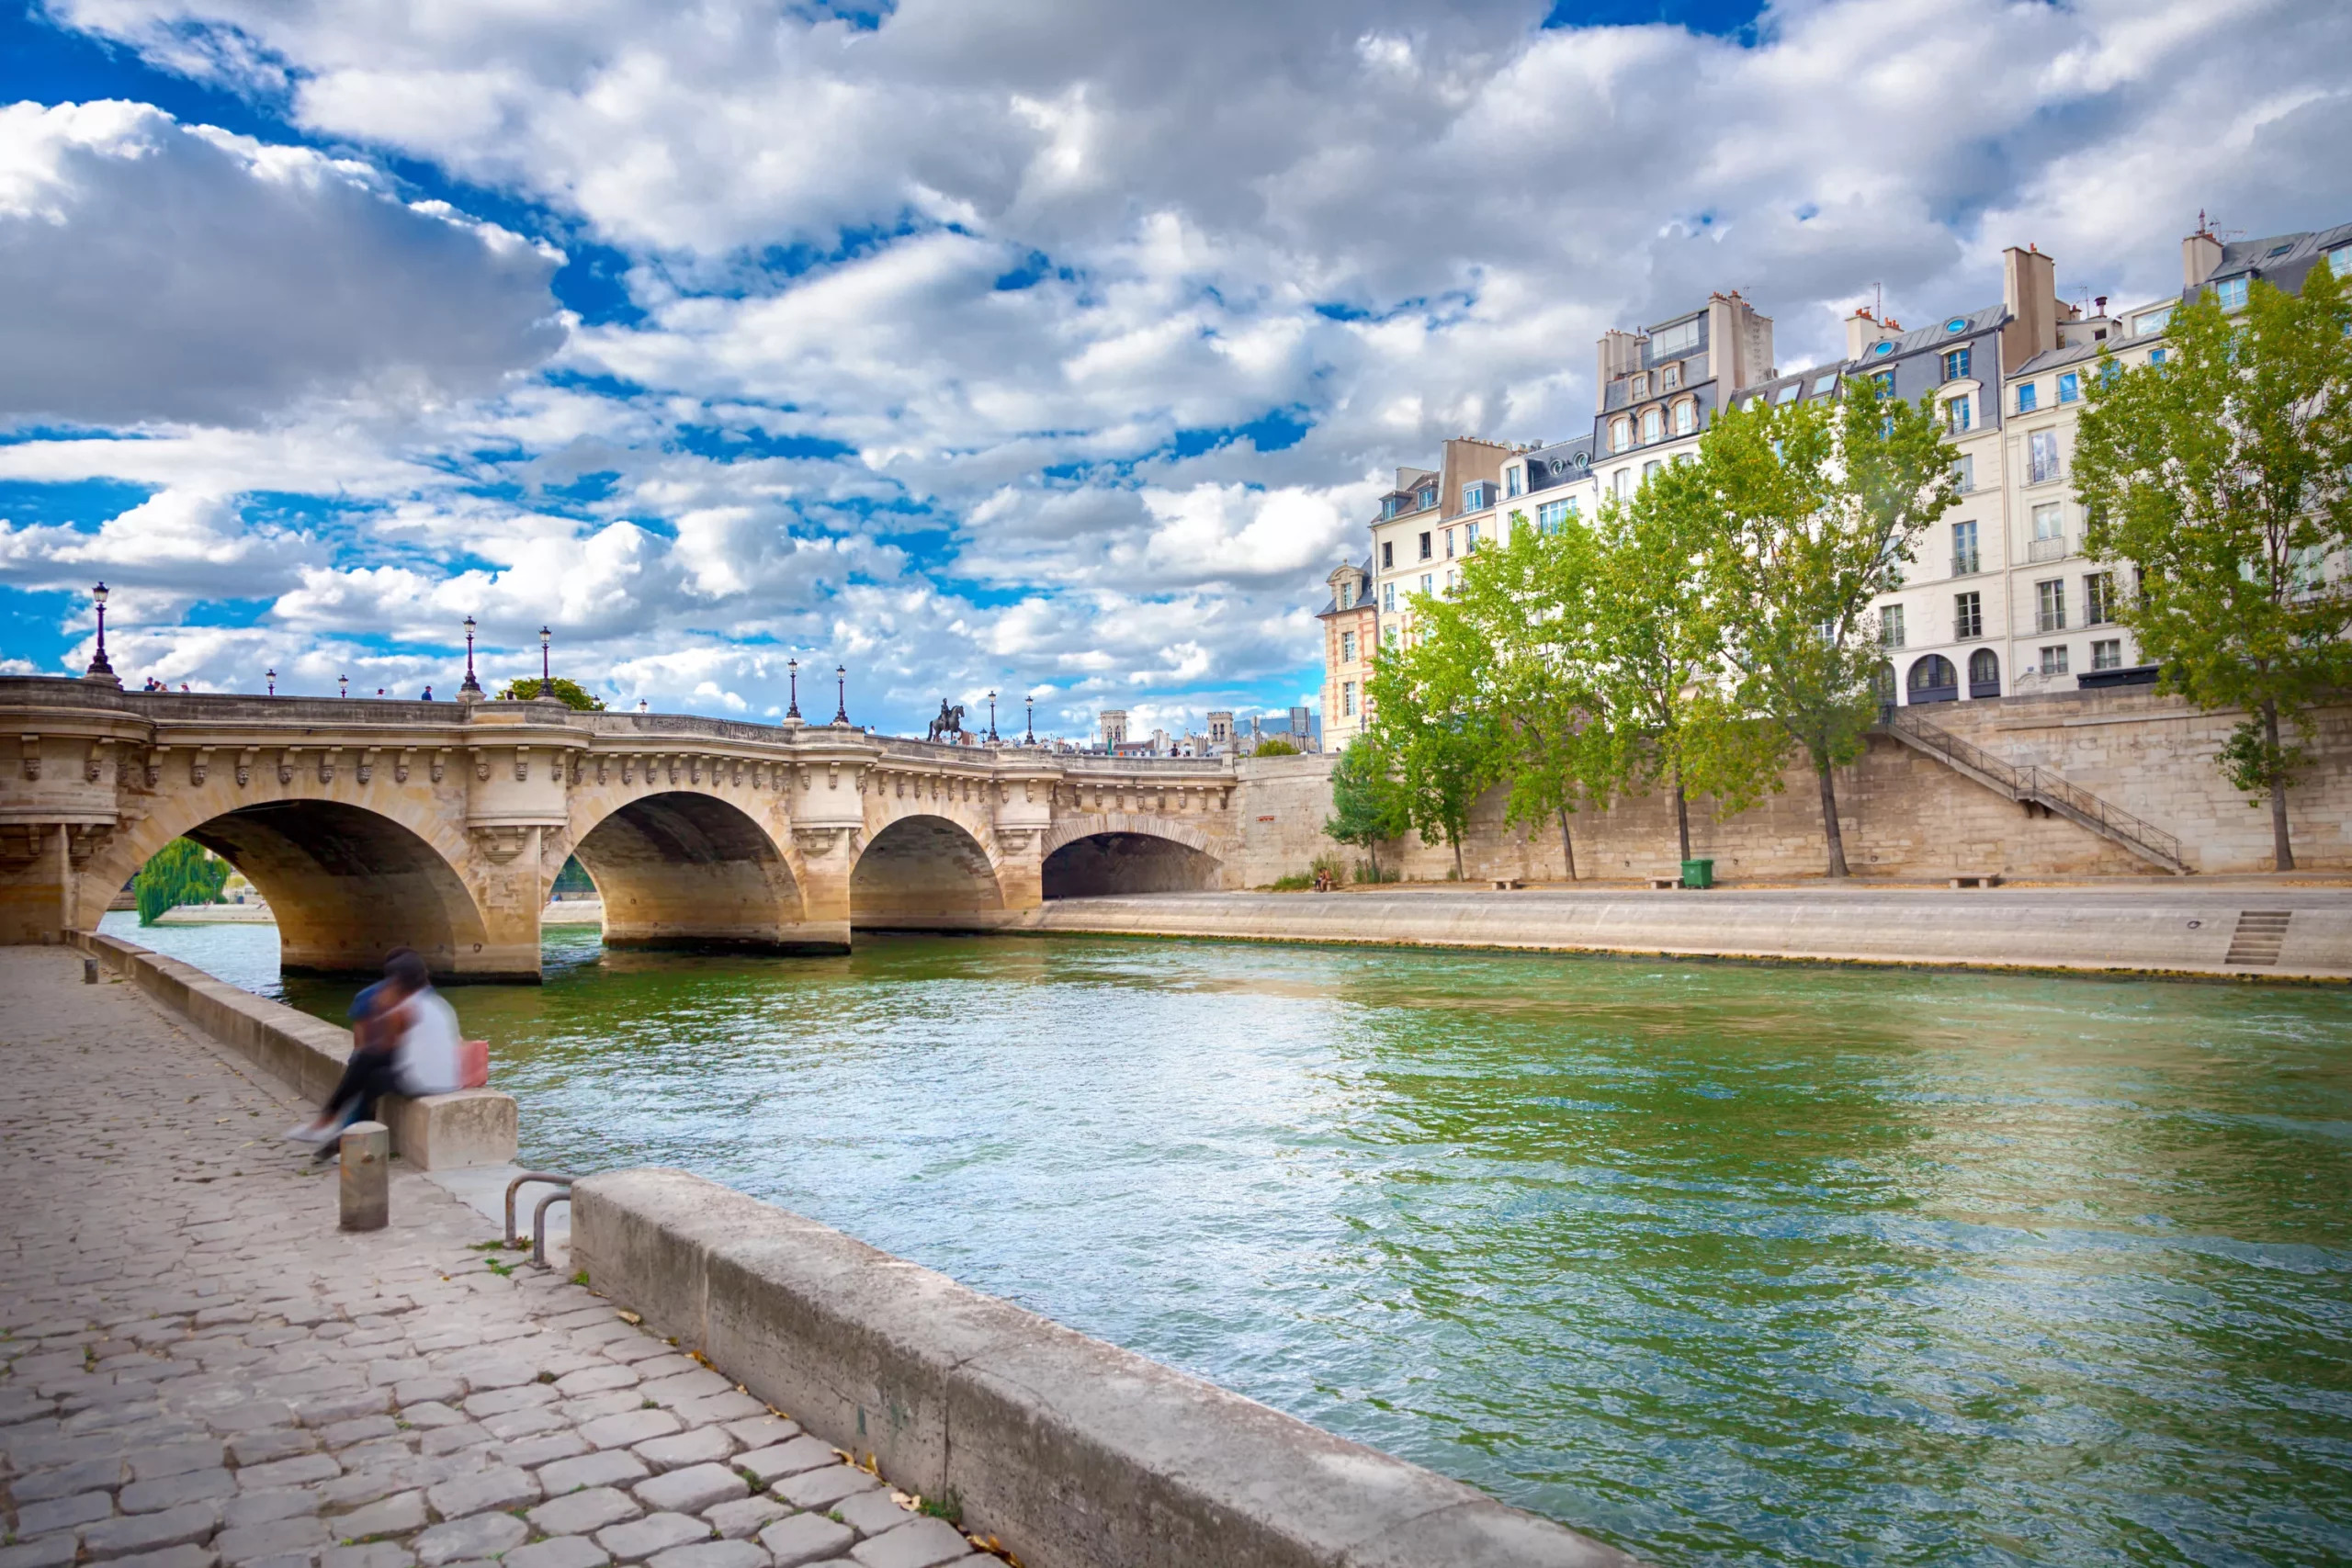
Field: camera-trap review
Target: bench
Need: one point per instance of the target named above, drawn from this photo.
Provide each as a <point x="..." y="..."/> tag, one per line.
<point x="1510" y="883"/>
<point x="1666" y="884"/>
<point x="1991" y="880"/>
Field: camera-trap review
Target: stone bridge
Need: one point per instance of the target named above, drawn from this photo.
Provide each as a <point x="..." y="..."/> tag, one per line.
<point x="369" y="824"/>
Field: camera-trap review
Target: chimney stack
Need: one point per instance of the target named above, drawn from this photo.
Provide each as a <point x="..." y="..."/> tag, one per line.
<point x="2029" y="293"/>
<point x="2200" y="254"/>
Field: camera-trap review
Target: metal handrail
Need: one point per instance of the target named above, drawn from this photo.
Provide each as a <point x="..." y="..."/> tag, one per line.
<point x="2032" y="781"/>
<point x="540" y="1225"/>
<point x="550" y="1178"/>
<point x="2053" y="786"/>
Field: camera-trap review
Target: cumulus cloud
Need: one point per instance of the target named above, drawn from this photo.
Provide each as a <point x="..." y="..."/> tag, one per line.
<point x="156" y="272"/>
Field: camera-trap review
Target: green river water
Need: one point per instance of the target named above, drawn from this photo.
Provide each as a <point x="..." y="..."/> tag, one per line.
<point x="1724" y="1264"/>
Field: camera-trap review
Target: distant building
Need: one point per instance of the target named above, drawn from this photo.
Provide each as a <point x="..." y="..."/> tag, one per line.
<point x="1114" y="729"/>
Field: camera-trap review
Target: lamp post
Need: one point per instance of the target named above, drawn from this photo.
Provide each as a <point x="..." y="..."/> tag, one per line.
<point x="547" y="682"/>
<point x="99" y="669"/>
<point x="343" y="685"/>
<point x="792" y="672"/>
<point x="841" y="708"/>
<point x="472" y="690"/>
<point x="1029" y="723"/>
<point x="992" y="739"/>
<point x="271" y="676"/>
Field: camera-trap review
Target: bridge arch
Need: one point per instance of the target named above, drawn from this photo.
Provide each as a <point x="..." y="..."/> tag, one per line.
<point x="925" y="872"/>
<point x="682" y="868"/>
<point x="346" y="882"/>
<point x="1109" y="852"/>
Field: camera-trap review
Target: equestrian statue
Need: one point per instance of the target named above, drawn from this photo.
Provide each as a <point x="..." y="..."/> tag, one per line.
<point x="949" y="722"/>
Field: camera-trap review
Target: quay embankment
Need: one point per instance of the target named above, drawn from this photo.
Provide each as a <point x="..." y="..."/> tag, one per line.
<point x="457" y="1408"/>
<point x="2242" y="929"/>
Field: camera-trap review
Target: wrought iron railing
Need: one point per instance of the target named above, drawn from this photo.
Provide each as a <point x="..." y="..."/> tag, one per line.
<point x="2030" y="781"/>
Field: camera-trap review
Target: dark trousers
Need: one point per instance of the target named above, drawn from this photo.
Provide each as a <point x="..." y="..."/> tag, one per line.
<point x="368" y="1075"/>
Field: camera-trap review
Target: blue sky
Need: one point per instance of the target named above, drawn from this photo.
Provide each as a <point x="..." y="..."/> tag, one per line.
<point x="1052" y="348"/>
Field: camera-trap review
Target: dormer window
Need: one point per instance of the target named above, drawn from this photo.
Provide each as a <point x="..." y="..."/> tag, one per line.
<point x="1514" y="479"/>
<point x="1477" y="497"/>
<point x="2230" y="292"/>
<point x="1388" y="507"/>
<point x="1620" y="434"/>
<point x="1685" y="417"/>
<point x="1641" y="387"/>
<point x="1956" y="365"/>
<point x="1653" y="425"/>
<point x="1429" y="499"/>
<point x="1668" y="378"/>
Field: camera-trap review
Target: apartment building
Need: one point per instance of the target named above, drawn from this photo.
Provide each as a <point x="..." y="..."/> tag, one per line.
<point x="1351" y="622"/>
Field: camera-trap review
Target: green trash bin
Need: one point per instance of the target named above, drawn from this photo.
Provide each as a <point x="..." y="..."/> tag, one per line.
<point x="1698" y="874"/>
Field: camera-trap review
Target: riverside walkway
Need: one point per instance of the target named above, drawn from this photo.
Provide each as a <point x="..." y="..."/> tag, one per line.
<point x="198" y="1370"/>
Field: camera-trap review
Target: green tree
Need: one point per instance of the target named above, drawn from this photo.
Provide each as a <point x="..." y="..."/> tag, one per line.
<point x="1819" y="505"/>
<point x="572" y="694"/>
<point x="1275" y="746"/>
<point x="1433" y="711"/>
<point x="1367" y="805"/>
<point x="2221" y="475"/>
<point x="180" y="872"/>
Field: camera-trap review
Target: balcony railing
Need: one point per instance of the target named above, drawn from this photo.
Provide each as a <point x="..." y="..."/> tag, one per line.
<point x="2047" y="550"/>
<point x="1965" y="565"/>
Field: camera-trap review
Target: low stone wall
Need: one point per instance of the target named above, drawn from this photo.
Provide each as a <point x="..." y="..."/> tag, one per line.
<point x="436" y="1133"/>
<point x="1075" y="1453"/>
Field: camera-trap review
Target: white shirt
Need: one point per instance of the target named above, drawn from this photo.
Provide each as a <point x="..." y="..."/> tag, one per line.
<point x="427" y="1055"/>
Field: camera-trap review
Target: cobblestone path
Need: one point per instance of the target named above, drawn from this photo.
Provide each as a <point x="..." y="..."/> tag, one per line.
<point x="201" y="1371"/>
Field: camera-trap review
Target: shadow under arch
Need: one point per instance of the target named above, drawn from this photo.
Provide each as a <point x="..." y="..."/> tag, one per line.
<point x="925" y="874"/>
<point x="348" y="885"/>
<point x="686" y="871"/>
<point x="1099" y="864"/>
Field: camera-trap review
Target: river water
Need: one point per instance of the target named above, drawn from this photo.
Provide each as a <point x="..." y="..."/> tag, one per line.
<point x="1724" y="1264"/>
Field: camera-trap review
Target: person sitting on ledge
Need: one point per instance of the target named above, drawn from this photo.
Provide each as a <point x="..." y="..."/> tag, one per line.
<point x="404" y="1041"/>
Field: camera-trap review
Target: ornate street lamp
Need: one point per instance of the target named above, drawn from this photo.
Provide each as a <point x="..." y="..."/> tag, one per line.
<point x="792" y="672"/>
<point x="992" y="739"/>
<point x="1030" y="724"/>
<point x="841" y="708"/>
<point x="547" y="682"/>
<point x="343" y="685"/>
<point x="99" y="669"/>
<point x="471" y="686"/>
<point x="271" y="676"/>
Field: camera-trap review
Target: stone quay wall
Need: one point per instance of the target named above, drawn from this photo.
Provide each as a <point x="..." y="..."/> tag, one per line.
<point x="1075" y="1452"/>
<point x="1902" y="813"/>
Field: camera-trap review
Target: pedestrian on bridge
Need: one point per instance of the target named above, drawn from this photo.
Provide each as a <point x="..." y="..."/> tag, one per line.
<point x="404" y="1041"/>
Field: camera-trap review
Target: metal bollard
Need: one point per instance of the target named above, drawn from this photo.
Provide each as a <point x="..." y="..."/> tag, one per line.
<point x="366" y="1150"/>
<point x="89" y="971"/>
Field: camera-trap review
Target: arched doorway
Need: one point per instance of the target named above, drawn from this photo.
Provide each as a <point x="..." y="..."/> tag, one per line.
<point x="1933" y="680"/>
<point x="347" y="886"/>
<point x="1105" y="863"/>
<point x="1983" y="673"/>
<point x="925" y="874"/>
<point x="687" y="871"/>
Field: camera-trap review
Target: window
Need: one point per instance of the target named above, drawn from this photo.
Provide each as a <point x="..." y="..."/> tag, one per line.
<point x="1388" y="507"/>
<point x="1641" y="387"/>
<point x="2108" y="653"/>
<point x="1824" y="386"/>
<point x="1685" y="417"/>
<point x="2099" y="598"/>
<point x="1651" y="470"/>
<point x="2151" y="320"/>
<point x="1339" y="597"/>
<point x="1672" y="343"/>
<point x="1347" y="648"/>
<point x="1552" y="515"/>
<point x="1670" y="377"/>
<point x="1788" y="394"/>
<point x="1348" y="698"/>
<point x="1624" y="483"/>
<point x="1884" y="379"/>
<point x="1388" y="601"/>
<point x="1963" y="549"/>
<point x="1388" y="633"/>
<point x="2054" y="660"/>
<point x="1477" y="497"/>
<point x="2156" y="357"/>
<point x="1429" y="585"/>
<point x="1956" y="414"/>
<point x="2230" y="292"/>
<point x="1514" y="479"/>
<point x="1983" y="673"/>
<point x="2026" y="392"/>
<point x="1470" y="540"/>
<point x="1653" y="425"/>
<point x="1967" y="617"/>
<point x="1956" y="365"/>
<point x="1933" y="680"/>
<point x="1429" y="499"/>
<point x="1449" y="544"/>
<point x="2070" y="388"/>
<point x="1963" y="472"/>
<point x="1890" y="625"/>
<point x="1620" y="434"/>
<point x="1388" y="555"/>
<point x="2042" y="457"/>
<point x="2050" y="606"/>
<point x="1425" y="547"/>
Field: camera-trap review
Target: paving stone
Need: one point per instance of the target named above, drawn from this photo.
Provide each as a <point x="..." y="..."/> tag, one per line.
<point x="693" y="1489"/>
<point x="641" y="1538"/>
<point x="277" y="1442"/>
<point x="871" y="1513"/>
<point x="606" y="1467"/>
<point x="428" y="1389"/>
<point x="450" y="1440"/>
<point x="279" y="1538"/>
<point x="396" y="1515"/>
<point x="544" y="1447"/>
<point x="429" y="1414"/>
<point x="729" y="1406"/>
<point x="744" y="1516"/>
<point x="594" y="1380"/>
<point x="174" y="1459"/>
<point x="503" y="1487"/>
<point x="299" y="1471"/>
<point x="595" y="1406"/>
<point x="823" y="1488"/>
<point x="925" y="1543"/>
<point x="519" y="1424"/>
<point x="705" y="1445"/>
<point x="324" y="1409"/>
<point x="260" y="1508"/>
<point x="764" y="1432"/>
<point x="374" y="1554"/>
<point x="120" y="1536"/>
<point x="712" y="1554"/>
<point x="498" y="1400"/>
<point x="171" y="1491"/>
<point x="64" y="1513"/>
<point x="254" y="1415"/>
<point x="805" y="1539"/>
<point x="788" y="1458"/>
<point x="361" y="1429"/>
<point x="583" y="1513"/>
<point x="677" y="1389"/>
<point x="90" y="1475"/>
<point x="188" y="1555"/>
<point x="483" y="1535"/>
<point x="563" y="1552"/>
<point x="49" y="1551"/>
<point x="634" y="1427"/>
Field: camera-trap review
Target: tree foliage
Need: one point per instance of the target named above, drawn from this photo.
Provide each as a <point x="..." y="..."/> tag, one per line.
<point x="2223" y="477"/>
<point x="1276" y="745"/>
<point x="1368" y="805"/>
<point x="1433" y="711"/>
<point x="572" y="694"/>
<point x="180" y="872"/>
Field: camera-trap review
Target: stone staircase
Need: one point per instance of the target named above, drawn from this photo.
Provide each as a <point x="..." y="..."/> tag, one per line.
<point x="2031" y="785"/>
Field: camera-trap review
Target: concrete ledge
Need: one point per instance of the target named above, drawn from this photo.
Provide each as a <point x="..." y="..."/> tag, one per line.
<point x="473" y="1127"/>
<point x="1076" y="1455"/>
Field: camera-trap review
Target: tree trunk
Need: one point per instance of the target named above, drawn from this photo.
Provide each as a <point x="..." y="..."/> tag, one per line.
<point x="1567" y="844"/>
<point x="1829" y="820"/>
<point x="2283" y="851"/>
<point x="1682" y="814"/>
<point x="1459" y="876"/>
<point x="1372" y="846"/>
